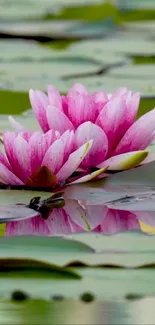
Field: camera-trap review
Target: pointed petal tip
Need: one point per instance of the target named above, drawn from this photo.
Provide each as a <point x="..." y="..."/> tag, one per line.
<point x="90" y="176"/>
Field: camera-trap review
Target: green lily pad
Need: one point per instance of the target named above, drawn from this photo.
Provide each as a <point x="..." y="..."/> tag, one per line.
<point x="116" y="78"/>
<point x="118" y="284"/>
<point x="136" y="4"/>
<point x="26" y="75"/>
<point x="24" y="50"/>
<point x="117" y="45"/>
<point x="134" y="71"/>
<point x="58" y="29"/>
<point x="32" y="9"/>
<point x="123" y="250"/>
<point x="95" y="50"/>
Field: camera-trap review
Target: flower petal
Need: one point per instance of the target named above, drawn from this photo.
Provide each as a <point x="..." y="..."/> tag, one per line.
<point x="77" y="213"/>
<point x="7" y="177"/>
<point x="54" y="156"/>
<point x="139" y="135"/>
<point x="112" y="119"/>
<point x="79" y="89"/>
<point x="39" y="102"/>
<point x="148" y="217"/>
<point x="37" y="150"/>
<point x="100" y="99"/>
<point x="119" y="92"/>
<point x="8" y="140"/>
<point x="67" y="139"/>
<point x="54" y="97"/>
<point x="21" y="158"/>
<point x="132" y="105"/>
<point x="99" y="149"/>
<point x="124" y="161"/>
<point x="95" y="215"/>
<point x="90" y="176"/>
<point x="58" y="223"/>
<point x="39" y="144"/>
<point x="73" y="162"/>
<point x="117" y="221"/>
<point x="35" y="226"/>
<point x="57" y="120"/>
<point x="4" y="161"/>
<point x="150" y="158"/>
<point x="81" y="108"/>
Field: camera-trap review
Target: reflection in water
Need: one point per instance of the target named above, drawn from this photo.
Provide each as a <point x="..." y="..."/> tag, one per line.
<point x="87" y="208"/>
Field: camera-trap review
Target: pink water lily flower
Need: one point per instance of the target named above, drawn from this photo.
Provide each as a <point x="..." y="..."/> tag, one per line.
<point x="37" y="159"/>
<point x="118" y="140"/>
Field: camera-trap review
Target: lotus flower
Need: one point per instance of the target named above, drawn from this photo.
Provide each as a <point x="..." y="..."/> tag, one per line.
<point x="118" y="140"/>
<point x="37" y="159"/>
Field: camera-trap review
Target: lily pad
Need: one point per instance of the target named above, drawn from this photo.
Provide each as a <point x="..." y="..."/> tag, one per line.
<point x="116" y="77"/>
<point x="58" y="29"/>
<point x="123" y="250"/>
<point x="95" y="49"/>
<point x="136" y="4"/>
<point x="26" y="75"/>
<point x="146" y="71"/>
<point x="31" y="9"/>
<point x="118" y="45"/>
<point x="24" y="50"/>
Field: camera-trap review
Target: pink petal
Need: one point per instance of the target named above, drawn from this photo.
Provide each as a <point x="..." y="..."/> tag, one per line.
<point x="79" y="89"/>
<point x="119" y="92"/>
<point x="132" y="105"/>
<point x="73" y="162"/>
<point x="148" y="217"/>
<point x="68" y="140"/>
<point x="139" y="135"/>
<point x="49" y="137"/>
<point x="81" y="108"/>
<point x="124" y="161"/>
<point x="35" y="226"/>
<point x="37" y="150"/>
<point x="7" y="177"/>
<point x="117" y="221"/>
<point x="8" y="139"/>
<point x="78" y="214"/>
<point x="54" y="156"/>
<point x="99" y="149"/>
<point x="54" y="97"/>
<point x="4" y="161"/>
<point x="21" y="158"/>
<point x="100" y="99"/>
<point x="39" y="102"/>
<point x="26" y="135"/>
<point x="91" y="176"/>
<point x="65" y="104"/>
<point x="112" y="119"/>
<point x="95" y="215"/>
<point x="57" y="120"/>
<point x="58" y="223"/>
